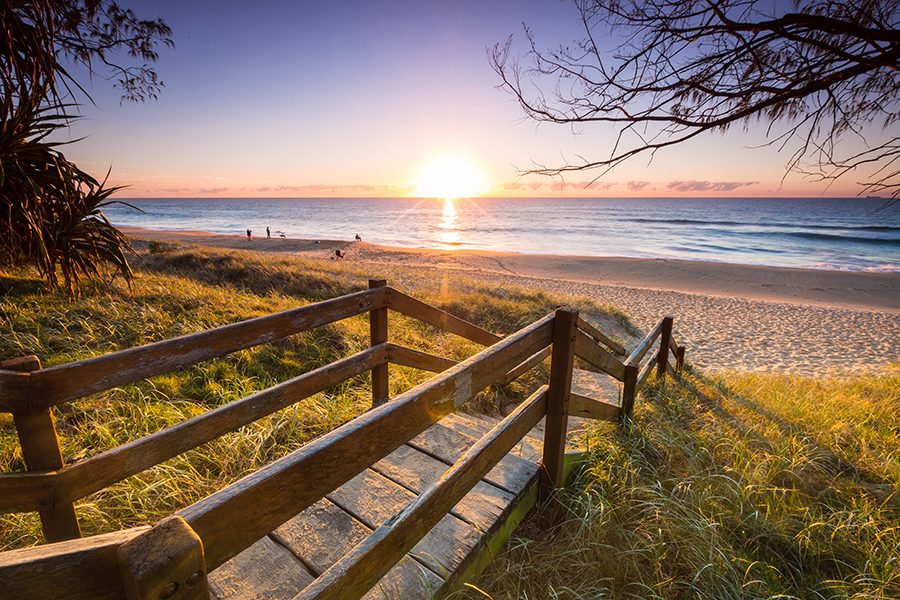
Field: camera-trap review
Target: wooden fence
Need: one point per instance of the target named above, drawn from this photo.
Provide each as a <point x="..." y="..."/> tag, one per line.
<point x="146" y="562"/>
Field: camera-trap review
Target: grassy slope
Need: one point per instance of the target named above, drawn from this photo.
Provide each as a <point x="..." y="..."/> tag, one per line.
<point x="739" y="486"/>
<point x="179" y="291"/>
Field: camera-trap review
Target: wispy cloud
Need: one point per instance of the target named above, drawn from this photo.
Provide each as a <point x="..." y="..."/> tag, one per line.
<point x="708" y="186"/>
<point x="636" y="186"/>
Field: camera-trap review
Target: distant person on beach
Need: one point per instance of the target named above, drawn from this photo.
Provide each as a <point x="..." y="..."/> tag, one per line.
<point x="339" y="254"/>
<point x="268" y="234"/>
<point x="249" y="233"/>
<point x="358" y="239"/>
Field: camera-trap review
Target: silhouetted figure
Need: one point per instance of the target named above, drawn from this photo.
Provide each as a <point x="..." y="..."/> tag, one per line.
<point x="358" y="239"/>
<point x="339" y="254"/>
<point x="249" y="233"/>
<point x="281" y="235"/>
<point x="268" y="234"/>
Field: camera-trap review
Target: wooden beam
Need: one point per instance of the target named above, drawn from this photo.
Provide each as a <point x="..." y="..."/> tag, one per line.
<point x="638" y="353"/>
<point x="679" y="358"/>
<point x="40" y="447"/>
<point x="360" y="569"/>
<point x="233" y="518"/>
<point x="665" y="339"/>
<point x="601" y="337"/>
<point x="528" y="364"/>
<point x="165" y="562"/>
<point x="629" y="389"/>
<point x="66" y="382"/>
<point x="589" y="350"/>
<point x="83" y="569"/>
<point x="416" y="359"/>
<point x="378" y="333"/>
<point x="443" y="320"/>
<point x="97" y="472"/>
<point x="562" y="359"/>
<point x="591" y="408"/>
<point x="645" y="372"/>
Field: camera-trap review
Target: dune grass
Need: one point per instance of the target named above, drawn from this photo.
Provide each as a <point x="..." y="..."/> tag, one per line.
<point x="736" y="486"/>
<point x="182" y="290"/>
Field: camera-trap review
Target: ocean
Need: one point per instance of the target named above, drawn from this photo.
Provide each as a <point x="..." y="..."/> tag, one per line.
<point x="846" y="234"/>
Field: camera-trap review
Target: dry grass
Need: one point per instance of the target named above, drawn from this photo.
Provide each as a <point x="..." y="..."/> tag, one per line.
<point x="739" y="486"/>
<point x="178" y="291"/>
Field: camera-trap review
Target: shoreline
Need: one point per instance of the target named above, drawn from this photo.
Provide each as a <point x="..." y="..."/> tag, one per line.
<point x="877" y="291"/>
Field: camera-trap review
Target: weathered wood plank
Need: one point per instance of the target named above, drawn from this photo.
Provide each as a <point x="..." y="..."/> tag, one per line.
<point x="97" y="472"/>
<point x="374" y="499"/>
<point x="62" y="383"/>
<point x="512" y="473"/>
<point x="416" y="471"/>
<point x="600" y="336"/>
<point x="75" y="569"/>
<point x="439" y="318"/>
<point x="565" y="334"/>
<point x="264" y="571"/>
<point x="165" y="561"/>
<point x="356" y="572"/>
<point x="528" y="364"/>
<point x="27" y="492"/>
<point x="590" y="351"/>
<point x="233" y="518"/>
<point x="592" y="408"/>
<point x="40" y="448"/>
<point x="645" y="372"/>
<point x="417" y="359"/>
<point x="378" y="334"/>
<point x="662" y="355"/>
<point x="324" y="532"/>
<point x="641" y="349"/>
<point x="529" y="448"/>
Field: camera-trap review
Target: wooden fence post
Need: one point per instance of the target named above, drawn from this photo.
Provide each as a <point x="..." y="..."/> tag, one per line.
<point x="629" y="389"/>
<point x="40" y="447"/>
<point x="378" y="331"/>
<point x="679" y="358"/>
<point x="562" y="361"/>
<point x="665" y="338"/>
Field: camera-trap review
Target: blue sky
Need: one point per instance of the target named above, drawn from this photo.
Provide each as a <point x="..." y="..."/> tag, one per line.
<point x="356" y="98"/>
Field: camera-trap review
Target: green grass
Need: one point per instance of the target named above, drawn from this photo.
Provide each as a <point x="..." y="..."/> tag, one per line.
<point x="183" y="290"/>
<point x="736" y="486"/>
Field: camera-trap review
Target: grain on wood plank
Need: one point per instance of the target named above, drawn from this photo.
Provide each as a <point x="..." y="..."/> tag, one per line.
<point x="354" y="574"/>
<point x="164" y="562"/>
<point x="417" y="359"/>
<point x="416" y="471"/>
<point x="324" y="532"/>
<point x="601" y="337"/>
<point x="528" y="364"/>
<point x="590" y="351"/>
<point x="529" y="447"/>
<point x="374" y="500"/>
<point x="512" y="473"/>
<point x="565" y="334"/>
<point x="266" y="570"/>
<point x="27" y="492"/>
<point x="378" y="334"/>
<point x="591" y="408"/>
<point x="106" y="468"/>
<point x="66" y="382"/>
<point x="233" y="518"/>
<point x="86" y="568"/>
<point x="641" y="349"/>
<point x="441" y="319"/>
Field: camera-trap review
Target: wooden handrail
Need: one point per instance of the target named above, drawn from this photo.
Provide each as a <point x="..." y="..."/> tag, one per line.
<point x="278" y="491"/>
<point x="411" y="307"/>
<point x="645" y="372"/>
<point x="589" y="350"/>
<point x="601" y="337"/>
<point x="416" y="359"/>
<point x="526" y="365"/>
<point x="641" y="349"/>
<point x="361" y="568"/>
<point x="62" y="383"/>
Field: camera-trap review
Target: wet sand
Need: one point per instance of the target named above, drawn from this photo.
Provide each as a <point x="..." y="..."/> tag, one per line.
<point x="730" y="316"/>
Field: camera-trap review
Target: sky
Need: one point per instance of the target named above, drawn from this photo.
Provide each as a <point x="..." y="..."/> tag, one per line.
<point x="346" y="99"/>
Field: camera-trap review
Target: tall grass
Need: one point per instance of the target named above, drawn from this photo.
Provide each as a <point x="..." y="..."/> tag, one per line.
<point x="177" y="291"/>
<point x="737" y="486"/>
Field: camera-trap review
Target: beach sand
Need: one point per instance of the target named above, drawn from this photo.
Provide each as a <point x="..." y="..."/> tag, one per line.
<point x="757" y="318"/>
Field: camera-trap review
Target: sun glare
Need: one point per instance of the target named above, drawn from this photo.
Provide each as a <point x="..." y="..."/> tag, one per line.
<point x="450" y="177"/>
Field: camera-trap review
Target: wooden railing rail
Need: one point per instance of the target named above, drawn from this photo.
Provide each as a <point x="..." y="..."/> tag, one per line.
<point x="70" y="381"/>
<point x="417" y="359"/>
<point x="411" y="307"/>
<point x="601" y="337"/>
<point x="587" y="349"/>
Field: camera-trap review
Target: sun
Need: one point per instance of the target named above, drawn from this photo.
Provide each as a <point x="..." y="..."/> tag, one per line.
<point x="450" y="176"/>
